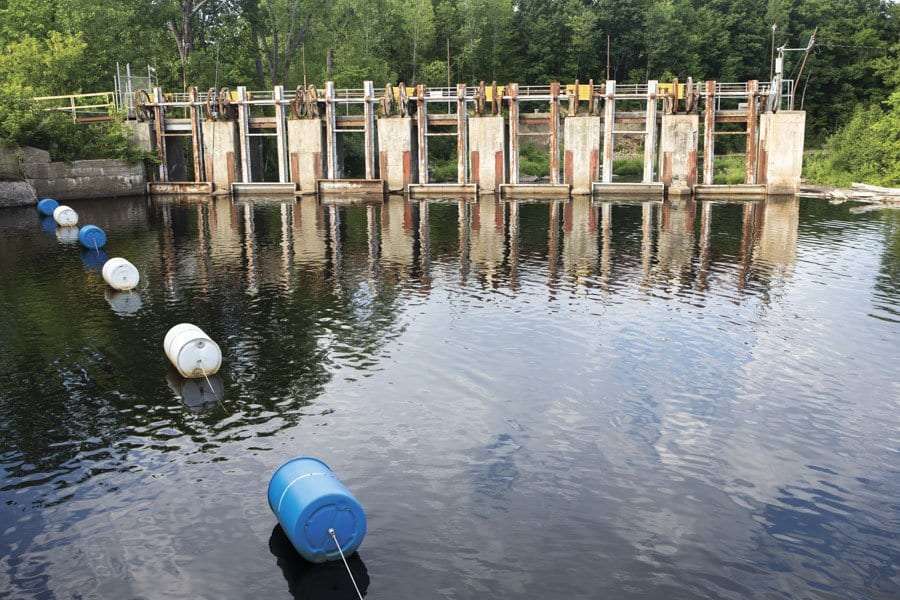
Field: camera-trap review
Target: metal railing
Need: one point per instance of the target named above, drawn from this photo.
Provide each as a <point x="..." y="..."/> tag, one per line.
<point x="95" y="106"/>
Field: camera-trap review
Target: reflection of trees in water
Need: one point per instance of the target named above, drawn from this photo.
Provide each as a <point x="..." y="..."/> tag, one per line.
<point x="83" y="393"/>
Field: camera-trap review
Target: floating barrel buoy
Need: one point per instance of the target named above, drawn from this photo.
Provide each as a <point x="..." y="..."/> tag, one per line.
<point x="315" y="509"/>
<point x="121" y="274"/>
<point x="123" y="303"/>
<point x="67" y="235"/>
<point x="191" y="351"/>
<point x="46" y="206"/>
<point x="65" y="216"/>
<point x="92" y="237"/>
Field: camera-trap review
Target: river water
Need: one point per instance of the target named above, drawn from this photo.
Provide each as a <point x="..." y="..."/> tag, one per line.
<point x="531" y="400"/>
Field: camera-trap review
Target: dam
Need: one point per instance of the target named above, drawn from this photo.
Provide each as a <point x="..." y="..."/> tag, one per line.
<point x="210" y="142"/>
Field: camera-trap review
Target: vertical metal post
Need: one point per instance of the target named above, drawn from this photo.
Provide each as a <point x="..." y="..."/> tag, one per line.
<point x="513" y="90"/>
<point x="462" y="126"/>
<point x="159" y="124"/>
<point x="243" y="133"/>
<point x="330" y="133"/>
<point x="650" y="131"/>
<point x="554" y="132"/>
<point x="196" y="135"/>
<point x="609" y="124"/>
<point x="752" y="88"/>
<point x="422" y="131"/>
<point x="281" y="134"/>
<point x="369" y="128"/>
<point x="709" y="134"/>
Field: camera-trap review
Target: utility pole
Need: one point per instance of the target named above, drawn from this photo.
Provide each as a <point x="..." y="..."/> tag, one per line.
<point x="772" y="59"/>
<point x="303" y="60"/>
<point x="607" y="57"/>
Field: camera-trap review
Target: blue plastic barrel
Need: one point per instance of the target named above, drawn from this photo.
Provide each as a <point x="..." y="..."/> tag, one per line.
<point x="308" y="500"/>
<point x="92" y="237"/>
<point x="46" y="206"/>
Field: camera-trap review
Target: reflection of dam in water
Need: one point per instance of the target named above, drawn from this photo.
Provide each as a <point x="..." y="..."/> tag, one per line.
<point x="684" y="244"/>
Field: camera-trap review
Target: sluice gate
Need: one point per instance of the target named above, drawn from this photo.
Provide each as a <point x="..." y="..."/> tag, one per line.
<point x="334" y="140"/>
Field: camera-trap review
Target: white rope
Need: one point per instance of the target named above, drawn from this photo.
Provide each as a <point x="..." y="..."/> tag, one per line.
<point x="349" y="572"/>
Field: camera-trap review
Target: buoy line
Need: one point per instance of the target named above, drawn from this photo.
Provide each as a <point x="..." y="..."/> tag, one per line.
<point x="343" y="558"/>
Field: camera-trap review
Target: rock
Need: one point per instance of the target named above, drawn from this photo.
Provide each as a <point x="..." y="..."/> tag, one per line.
<point x="16" y="193"/>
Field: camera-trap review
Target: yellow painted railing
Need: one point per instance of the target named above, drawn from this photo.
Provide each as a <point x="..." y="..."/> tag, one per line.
<point x="93" y="106"/>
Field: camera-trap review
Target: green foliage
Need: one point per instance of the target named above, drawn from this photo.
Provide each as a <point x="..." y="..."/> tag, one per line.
<point x="867" y="149"/>
<point x="534" y="160"/>
<point x="730" y="169"/>
<point x="628" y="169"/>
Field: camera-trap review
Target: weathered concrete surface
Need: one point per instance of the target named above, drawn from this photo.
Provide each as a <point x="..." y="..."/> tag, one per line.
<point x="306" y="149"/>
<point x="678" y="152"/>
<point x="16" y="193"/>
<point x="86" y="179"/>
<point x="781" y="150"/>
<point x="397" y="156"/>
<point x="141" y="134"/>
<point x="221" y="153"/>
<point x="487" y="152"/>
<point x="581" y="142"/>
<point x="10" y="169"/>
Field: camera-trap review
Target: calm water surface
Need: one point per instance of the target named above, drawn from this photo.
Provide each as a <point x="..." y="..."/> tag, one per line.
<point x="532" y="400"/>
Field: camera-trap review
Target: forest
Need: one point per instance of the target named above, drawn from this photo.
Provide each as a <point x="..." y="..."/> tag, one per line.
<point x="850" y="85"/>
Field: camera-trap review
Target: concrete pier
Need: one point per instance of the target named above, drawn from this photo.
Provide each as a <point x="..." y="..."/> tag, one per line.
<point x="487" y="157"/>
<point x="397" y="161"/>
<point x="781" y="150"/>
<point x="678" y="152"/>
<point x="221" y="156"/>
<point x="582" y="152"/>
<point x="306" y="145"/>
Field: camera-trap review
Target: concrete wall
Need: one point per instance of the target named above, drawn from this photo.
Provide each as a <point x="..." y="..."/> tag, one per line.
<point x="141" y="134"/>
<point x="678" y="152"/>
<point x="487" y="156"/>
<point x="86" y="179"/>
<point x="781" y="150"/>
<point x="581" y="142"/>
<point x="221" y="153"/>
<point x="306" y="149"/>
<point x="397" y="160"/>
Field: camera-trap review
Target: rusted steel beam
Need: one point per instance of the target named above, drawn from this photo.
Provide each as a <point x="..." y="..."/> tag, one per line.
<point x="330" y="134"/>
<point x="554" y="132"/>
<point x="196" y="136"/>
<point x="609" y="119"/>
<point x="709" y="128"/>
<point x="462" y="126"/>
<point x="243" y="131"/>
<point x="369" y="127"/>
<point x="159" y="125"/>
<point x="513" y="92"/>
<point x="752" y="88"/>
<point x="422" y="131"/>
<point x="573" y="102"/>
<point x="650" y="132"/>
<point x="281" y="142"/>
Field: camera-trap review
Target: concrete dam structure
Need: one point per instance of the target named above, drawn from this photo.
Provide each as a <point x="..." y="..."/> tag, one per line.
<point x="213" y="142"/>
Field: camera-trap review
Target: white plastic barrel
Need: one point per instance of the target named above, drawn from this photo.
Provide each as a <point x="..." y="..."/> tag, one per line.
<point x="191" y="351"/>
<point x="121" y="274"/>
<point x="65" y="216"/>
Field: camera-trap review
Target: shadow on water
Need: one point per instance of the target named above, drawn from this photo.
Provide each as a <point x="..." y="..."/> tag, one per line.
<point x="309" y="581"/>
<point x="196" y="394"/>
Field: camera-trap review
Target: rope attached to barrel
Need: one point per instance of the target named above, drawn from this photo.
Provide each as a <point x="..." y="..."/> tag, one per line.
<point x="343" y="558"/>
